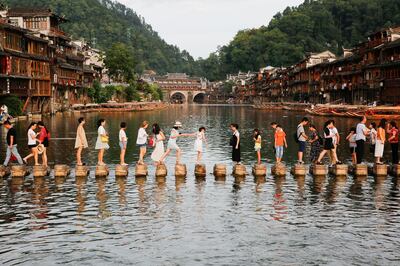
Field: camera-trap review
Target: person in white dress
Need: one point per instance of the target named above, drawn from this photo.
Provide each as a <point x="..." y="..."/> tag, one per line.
<point x="102" y="141"/>
<point x="32" y="143"/>
<point x="141" y="141"/>
<point x="123" y="141"/>
<point x="198" y="144"/>
<point x="158" y="143"/>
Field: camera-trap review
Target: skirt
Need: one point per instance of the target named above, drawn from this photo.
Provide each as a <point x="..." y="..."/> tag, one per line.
<point x="198" y="145"/>
<point x="101" y="145"/>
<point x="379" y="147"/>
<point x="236" y="154"/>
<point x="158" y="151"/>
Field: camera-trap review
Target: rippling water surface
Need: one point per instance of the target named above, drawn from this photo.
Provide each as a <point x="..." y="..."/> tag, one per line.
<point x="279" y="221"/>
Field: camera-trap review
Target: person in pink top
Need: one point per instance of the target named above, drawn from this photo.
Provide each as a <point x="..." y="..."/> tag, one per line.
<point x="393" y="139"/>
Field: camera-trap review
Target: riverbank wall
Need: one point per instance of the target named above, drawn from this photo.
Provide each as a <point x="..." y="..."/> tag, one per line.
<point x="119" y="107"/>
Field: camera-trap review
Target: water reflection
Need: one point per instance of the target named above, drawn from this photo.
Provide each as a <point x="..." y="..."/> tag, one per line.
<point x="81" y="194"/>
<point x="39" y="212"/>
<point x="279" y="202"/>
<point x="102" y="197"/>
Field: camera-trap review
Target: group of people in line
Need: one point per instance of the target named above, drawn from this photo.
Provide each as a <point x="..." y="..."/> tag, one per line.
<point x="327" y="144"/>
<point x="38" y="142"/>
<point x="320" y="145"/>
<point x="155" y="140"/>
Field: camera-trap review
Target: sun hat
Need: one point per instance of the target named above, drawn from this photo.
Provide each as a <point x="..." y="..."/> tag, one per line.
<point x="40" y="148"/>
<point x="178" y="124"/>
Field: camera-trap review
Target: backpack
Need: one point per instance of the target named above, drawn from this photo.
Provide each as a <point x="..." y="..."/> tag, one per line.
<point x="295" y="136"/>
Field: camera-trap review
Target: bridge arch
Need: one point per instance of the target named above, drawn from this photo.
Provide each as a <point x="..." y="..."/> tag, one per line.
<point x="178" y="97"/>
<point x="199" y="97"/>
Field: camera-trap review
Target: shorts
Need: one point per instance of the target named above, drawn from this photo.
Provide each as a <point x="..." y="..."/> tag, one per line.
<point x="257" y="149"/>
<point x="141" y="145"/>
<point x="173" y="146"/>
<point x="32" y="146"/>
<point x="122" y="145"/>
<point x="352" y="150"/>
<point x="279" y="151"/>
<point x="302" y="146"/>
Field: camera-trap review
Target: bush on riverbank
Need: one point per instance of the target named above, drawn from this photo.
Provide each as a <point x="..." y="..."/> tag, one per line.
<point x="13" y="103"/>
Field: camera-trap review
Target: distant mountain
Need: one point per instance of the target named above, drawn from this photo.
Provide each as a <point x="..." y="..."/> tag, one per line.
<point x="104" y="22"/>
<point x="314" y="26"/>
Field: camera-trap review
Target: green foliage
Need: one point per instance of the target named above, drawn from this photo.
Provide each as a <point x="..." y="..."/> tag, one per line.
<point x="314" y="26"/>
<point x="131" y="93"/>
<point x="120" y="62"/>
<point x="105" y="22"/>
<point x="13" y="103"/>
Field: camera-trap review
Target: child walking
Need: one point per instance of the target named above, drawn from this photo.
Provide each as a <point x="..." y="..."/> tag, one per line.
<point x="123" y="141"/>
<point x="198" y="144"/>
<point x="351" y="138"/>
<point x="280" y="142"/>
<point x="257" y="144"/>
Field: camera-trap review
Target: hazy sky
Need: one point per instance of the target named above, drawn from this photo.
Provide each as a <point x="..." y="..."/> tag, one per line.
<point x="200" y="26"/>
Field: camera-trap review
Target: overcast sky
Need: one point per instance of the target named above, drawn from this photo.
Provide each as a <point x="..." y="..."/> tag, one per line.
<point x="200" y="26"/>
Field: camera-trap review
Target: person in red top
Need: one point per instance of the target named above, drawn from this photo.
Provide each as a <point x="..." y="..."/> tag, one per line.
<point x="280" y="142"/>
<point x="43" y="137"/>
<point x="393" y="139"/>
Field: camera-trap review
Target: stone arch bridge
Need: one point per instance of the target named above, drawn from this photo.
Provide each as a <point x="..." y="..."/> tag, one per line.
<point x="186" y="96"/>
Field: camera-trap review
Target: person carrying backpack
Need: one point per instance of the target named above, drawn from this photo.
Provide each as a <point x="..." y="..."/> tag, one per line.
<point x="316" y="142"/>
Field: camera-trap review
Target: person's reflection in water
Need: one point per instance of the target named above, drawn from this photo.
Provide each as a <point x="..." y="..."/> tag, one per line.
<point x="316" y="188"/>
<point x="379" y="198"/>
<point x="260" y="181"/>
<point x="300" y="188"/>
<point x="81" y="194"/>
<point x="39" y="213"/>
<point x="59" y="181"/>
<point x="102" y="197"/>
<point x="279" y="203"/>
<point x="121" y="181"/>
<point x="356" y="189"/>
<point x="335" y="185"/>
<point x="159" y="196"/>
<point x="141" y="187"/>
<point x="180" y="183"/>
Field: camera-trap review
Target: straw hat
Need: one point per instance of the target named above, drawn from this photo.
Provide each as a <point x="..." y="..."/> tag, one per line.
<point x="40" y="148"/>
<point x="178" y="124"/>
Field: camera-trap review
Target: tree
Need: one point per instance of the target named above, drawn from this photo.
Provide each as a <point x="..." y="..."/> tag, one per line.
<point x="120" y="62"/>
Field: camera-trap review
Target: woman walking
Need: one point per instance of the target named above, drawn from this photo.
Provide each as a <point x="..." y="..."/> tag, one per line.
<point x="198" y="144"/>
<point x="172" y="145"/>
<point x="159" y="138"/>
<point x="393" y="139"/>
<point x="280" y="142"/>
<point x="44" y="137"/>
<point x="380" y="141"/>
<point x="257" y="144"/>
<point x="32" y="143"/>
<point x="328" y="143"/>
<point x="315" y="142"/>
<point x="235" y="143"/>
<point x="80" y="141"/>
<point x="141" y="141"/>
<point x="102" y="141"/>
<point x="123" y="142"/>
<point x="351" y="138"/>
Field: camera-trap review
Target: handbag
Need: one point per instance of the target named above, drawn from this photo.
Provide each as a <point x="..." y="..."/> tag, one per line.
<point x="104" y="139"/>
<point x="151" y="142"/>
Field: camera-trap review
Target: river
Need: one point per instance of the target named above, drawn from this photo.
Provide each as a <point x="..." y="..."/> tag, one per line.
<point x="284" y="221"/>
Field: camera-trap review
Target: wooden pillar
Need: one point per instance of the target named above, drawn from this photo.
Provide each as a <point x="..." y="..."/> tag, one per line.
<point x="339" y="170"/>
<point x="82" y="171"/>
<point x="299" y="170"/>
<point x="141" y="170"/>
<point x="395" y="170"/>
<point x="161" y="170"/>
<point x="200" y="170"/>
<point x="40" y="171"/>
<point x="102" y="171"/>
<point x="121" y="170"/>
<point x="279" y="169"/>
<point x="61" y="170"/>
<point x="180" y="170"/>
<point x="4" y="171"/>
<point x="318" y="170"/>
<point x="380" y="170"/>
<point x="259" y="170"/>
<point x="220" y="171"/>
<point x="239" y="170"/>
<point x="19" y="171"/>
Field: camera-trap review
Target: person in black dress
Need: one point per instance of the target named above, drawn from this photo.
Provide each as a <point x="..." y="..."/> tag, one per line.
<point x="328" y="142"/>
<point x="235" y="143"/>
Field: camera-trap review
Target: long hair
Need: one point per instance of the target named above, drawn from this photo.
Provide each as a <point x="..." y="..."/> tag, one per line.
<point x="382" y="123"/>
<point x="256" y="133"/>
<point x="156" y="129"/>
<point x="393" y="124"/>
<point x="31" y="125"/>
<point x="100" y="121"/>
<point x="41" y="124"/>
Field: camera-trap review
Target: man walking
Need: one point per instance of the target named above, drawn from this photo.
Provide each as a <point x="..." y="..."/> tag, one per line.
<point x="11" y="143"/>
<point x="302" y="139"/>
<point x="361" y="134"/>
